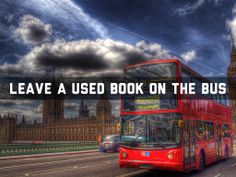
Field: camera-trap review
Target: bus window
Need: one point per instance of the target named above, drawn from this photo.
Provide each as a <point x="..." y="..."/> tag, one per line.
<point x="227" y="101"/>
<point x="200" y="130"/>
<point x="209" y="130"/>
<point x="186" y="76"/>
<point x="198" y="85"/>
<point x="226" y="131"/>
<point x="157" y="73"/>
<point x="214" y="97"/>
<point x="222" y="98"/>
<point x="218" y="98"/>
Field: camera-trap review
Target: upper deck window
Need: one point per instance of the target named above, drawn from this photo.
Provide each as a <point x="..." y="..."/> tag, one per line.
<point x="151" y="73"/>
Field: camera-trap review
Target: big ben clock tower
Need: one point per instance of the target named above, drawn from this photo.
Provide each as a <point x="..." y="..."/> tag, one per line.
<point x="231" y="75"/>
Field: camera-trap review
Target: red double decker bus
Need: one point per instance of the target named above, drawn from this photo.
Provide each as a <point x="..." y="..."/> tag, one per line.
<point x="180" y="132"/>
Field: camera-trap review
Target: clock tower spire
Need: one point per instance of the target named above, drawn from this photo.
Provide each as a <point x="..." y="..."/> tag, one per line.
<point x="231" y="77"/>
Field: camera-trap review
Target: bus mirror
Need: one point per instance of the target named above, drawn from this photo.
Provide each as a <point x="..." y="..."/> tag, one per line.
<point x="180" y="123"/>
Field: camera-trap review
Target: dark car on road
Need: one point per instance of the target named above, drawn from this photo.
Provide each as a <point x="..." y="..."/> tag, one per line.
<point x="109" y="143"/>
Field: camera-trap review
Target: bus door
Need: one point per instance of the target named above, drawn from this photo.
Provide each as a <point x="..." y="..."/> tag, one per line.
<point x="186" y="145"/>
<point x="218" y="141"/>
<point x="192" y="144"/>
<point x="189" y="145"/>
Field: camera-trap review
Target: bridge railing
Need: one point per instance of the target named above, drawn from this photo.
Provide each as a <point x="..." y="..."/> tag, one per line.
<point x="16" y="149"/>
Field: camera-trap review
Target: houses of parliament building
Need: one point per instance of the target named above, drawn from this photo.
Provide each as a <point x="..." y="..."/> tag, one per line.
<point x="57" y="128"/>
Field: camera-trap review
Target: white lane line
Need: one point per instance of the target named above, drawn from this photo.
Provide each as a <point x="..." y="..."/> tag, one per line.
<point x="132" y="173"/>
<point x="110" y="161"/>
<point x="217" y="175"/>
<point x="84" y="166"/>
<point x="58" y="161"/>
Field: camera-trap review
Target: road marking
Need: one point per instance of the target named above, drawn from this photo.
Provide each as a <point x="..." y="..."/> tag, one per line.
<point x="55" y="170"/>
<point x="58" y="161"/>
<point x="35" y="173"/>
<point x="132" y="173"/>
<point x="32" y="158"/>
<point x="110" y="161"/>
<point x="233" y="165"/>
<point x="217" y="175"/>
<point x="84" y="166"/>
<point x="43" y="172"/>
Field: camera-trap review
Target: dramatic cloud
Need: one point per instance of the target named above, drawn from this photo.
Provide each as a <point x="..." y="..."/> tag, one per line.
<point x="38" y="109"/>
<point x="189" y="56"/>
<point x="19" y="108"/>
<point x="232" y="25"/>
<point x="190" y="8"/>
<point x="85" y="56"/>
<point x="32" y="30"/>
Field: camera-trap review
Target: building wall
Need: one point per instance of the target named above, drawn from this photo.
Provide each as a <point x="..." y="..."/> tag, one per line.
<point x="56" y="128"/>
<point x="7" y="129"/>
<point x="65" y="131"/>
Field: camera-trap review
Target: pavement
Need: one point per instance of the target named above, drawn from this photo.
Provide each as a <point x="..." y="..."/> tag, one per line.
<point x="99" y="165"/>
<point x="46" y="155"/>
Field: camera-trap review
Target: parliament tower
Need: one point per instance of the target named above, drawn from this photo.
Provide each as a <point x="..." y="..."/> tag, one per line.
<point x="103" y="109"/>
<point x="231" y="75"/>
<point x="53" y="105"/>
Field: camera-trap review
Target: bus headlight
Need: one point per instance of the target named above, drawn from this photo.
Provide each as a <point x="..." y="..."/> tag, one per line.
<point x="170" y="155"/>
<point x="124" y="154"/>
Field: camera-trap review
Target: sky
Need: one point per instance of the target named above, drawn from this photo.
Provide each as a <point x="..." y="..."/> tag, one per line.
<point x="90" y="38"/>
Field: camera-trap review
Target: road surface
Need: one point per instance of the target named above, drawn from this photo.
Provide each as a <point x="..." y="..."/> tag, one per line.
<point x="99" y="165"/>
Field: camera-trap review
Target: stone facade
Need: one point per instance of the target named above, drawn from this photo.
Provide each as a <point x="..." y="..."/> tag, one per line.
<point x="7" y="129"/>
<point x="57" y="128"/>
<point x="231" y="75"/>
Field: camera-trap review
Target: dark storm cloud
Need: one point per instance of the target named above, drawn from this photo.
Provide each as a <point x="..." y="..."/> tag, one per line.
<point x="85" y="57"/>
<point x="96" y="55"/>
<point x="84" y="60"/>
<point x="32" y="30"/>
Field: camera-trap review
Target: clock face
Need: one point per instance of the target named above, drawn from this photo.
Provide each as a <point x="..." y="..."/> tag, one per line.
<point x="232" y="70"/>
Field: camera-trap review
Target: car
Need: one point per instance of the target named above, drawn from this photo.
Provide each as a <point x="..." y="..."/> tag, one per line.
<point x="109" y="143"/>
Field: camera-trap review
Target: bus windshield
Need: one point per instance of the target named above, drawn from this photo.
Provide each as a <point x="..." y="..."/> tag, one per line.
<point x="155" y="130"/>
<point x="152" y="73"/>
